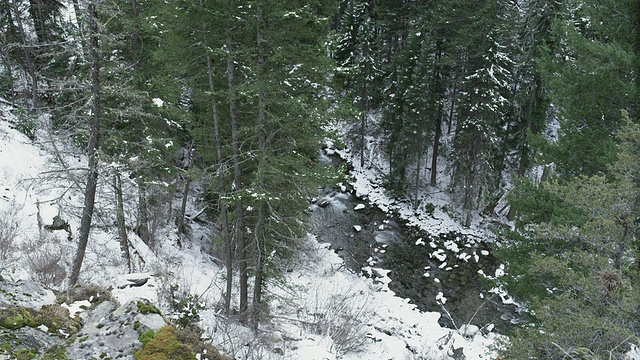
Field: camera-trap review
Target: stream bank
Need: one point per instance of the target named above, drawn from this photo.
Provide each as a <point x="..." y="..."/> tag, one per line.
<point x="437" y="272"/>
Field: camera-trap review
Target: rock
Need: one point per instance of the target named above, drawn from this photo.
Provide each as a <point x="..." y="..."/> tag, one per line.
<point x="113" y="334"/>
<point x="26" y="294"/>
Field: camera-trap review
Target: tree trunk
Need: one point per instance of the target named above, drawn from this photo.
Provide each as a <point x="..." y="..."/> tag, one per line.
<point x="262" y="145"/>
<point x="454" y="95"/>
<point x="436" y="147"/>
<point x="237" y="177"/>
<point x="94" y="142"/>
<point x="122" y="228"/>
<point x="185" y="195"/>
<point x="418" y="169"/>
<point x="142" y="224"/>
<point x="183" y="207"/>
<point x="228" y="245"/>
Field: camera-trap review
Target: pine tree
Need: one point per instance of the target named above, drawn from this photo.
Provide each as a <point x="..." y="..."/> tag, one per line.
<point x="577" y="270"/>
<point x="485" y="94"/>
<point x="589" y="79"/>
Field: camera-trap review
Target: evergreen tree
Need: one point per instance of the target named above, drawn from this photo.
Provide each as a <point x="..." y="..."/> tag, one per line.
<point x="484" y="103"/>
<point x="576" y="272"/>
<point x="589" y="76"/>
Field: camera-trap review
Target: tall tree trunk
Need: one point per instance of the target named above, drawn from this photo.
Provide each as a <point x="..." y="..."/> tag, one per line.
<point x="183" y="207"/>
<point x="260" y="237"/>
<point x="226" y="235"/>
<point x="363" y="127"/>
<point x="6" y="56"/>
<point x="454" y="96"/>
<point x="94" y="142"/>
<point x="438" y="89"/>
<point x="122" y="228"/>
<point x="237" y="177"/>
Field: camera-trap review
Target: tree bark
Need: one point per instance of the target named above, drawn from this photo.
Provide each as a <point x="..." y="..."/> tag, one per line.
<point x="262" y="145"/>
<point x="94" y="142"/>
<point x="436" y="147"/>
<point x="237" y="176"/>
<point x="122" y="228"/>
<point x="142" y="223"/>
<point x="185" y="194"/>
<point x="228" y="245"/>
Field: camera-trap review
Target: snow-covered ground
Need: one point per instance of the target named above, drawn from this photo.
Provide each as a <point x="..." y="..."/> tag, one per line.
<point x="324" y="312"/>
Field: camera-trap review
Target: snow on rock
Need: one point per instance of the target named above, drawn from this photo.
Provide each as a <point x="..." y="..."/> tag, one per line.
<point x="111" y="332"/>
<point x="359" y="207"/>
<point x="26" y="294"/>
<point x="77" y="307"/>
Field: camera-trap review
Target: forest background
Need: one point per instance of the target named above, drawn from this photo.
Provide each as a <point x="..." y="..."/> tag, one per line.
<point x="532" y="104"/>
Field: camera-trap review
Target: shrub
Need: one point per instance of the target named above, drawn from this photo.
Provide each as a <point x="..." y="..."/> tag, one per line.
<point x="93" y="293"/>
<point x="43" y="257"/>
<point x="343" y="316"/>
<point x="185" y="307"/>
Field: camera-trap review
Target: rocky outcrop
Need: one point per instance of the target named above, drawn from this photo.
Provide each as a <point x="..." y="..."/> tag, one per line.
<point x="35" y="325"/>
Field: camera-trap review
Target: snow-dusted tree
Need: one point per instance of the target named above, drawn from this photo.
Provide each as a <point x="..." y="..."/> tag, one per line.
<point x="93" y="144"/>
<point x="356" y="53"/>
<point x="483" y="105"/>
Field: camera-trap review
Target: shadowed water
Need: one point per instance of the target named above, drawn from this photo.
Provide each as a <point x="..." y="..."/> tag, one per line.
<point x="424" y="267"/>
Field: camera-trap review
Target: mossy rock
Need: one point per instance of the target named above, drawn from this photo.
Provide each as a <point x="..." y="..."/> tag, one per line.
<point x="56" y="318"/>
<point x="165" y="346"/>
<point x="147" y="336"/>
<point x="145" y="308"/>
<point x="23" y="354"/>
<point x="193" y="339"/>
<point x="16" y="317"/>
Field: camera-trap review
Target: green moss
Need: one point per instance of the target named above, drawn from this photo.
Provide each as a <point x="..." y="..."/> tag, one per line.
<point x="83" y="339"/>
<point x="23" y="354"/>
<point x="147" y="336"/>
<point x="147" y="308"/>
<point x="136" y="325"/>
<point x="100" y="326"/>
<point x="16" y="317"/>
<point x="55" y="353"/>
<point x="164" y="346"/>
<point x="56" y="318"/>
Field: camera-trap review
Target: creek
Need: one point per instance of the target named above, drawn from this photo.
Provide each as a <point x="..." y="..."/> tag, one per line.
<point x="437" y="272"/>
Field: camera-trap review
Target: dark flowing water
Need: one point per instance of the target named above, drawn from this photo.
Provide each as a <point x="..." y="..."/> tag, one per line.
<point x="368" y="237"/>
